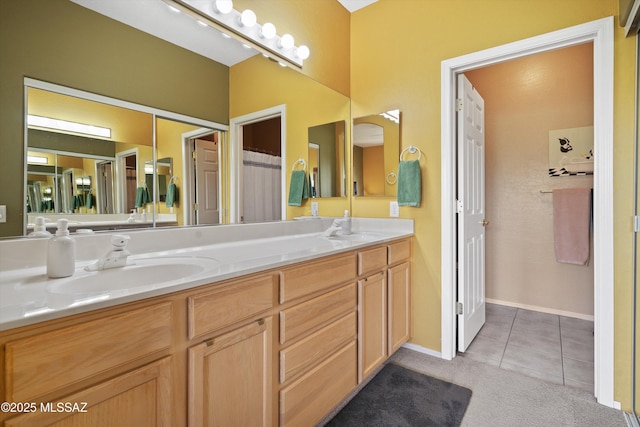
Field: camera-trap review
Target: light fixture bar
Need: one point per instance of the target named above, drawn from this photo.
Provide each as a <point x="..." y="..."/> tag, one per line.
<point x="64" y="125"/>
<point x="243" y="27"/>
<point x="40" y="160"/>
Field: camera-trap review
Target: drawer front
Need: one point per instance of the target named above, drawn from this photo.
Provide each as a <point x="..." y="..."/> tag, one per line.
<point x="44" y="363"/>
<point x="316" y="276"/>
<point x="372" y="260"/>
<point x="313" y="395"/>
<point x="305" y="317"/>
<point x="212" y="310"/>
<point x="318" y="346"/>
<point x="399" y="251"/>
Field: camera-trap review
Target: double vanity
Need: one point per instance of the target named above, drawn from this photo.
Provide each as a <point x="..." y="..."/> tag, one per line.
<point x="262" y="324"/>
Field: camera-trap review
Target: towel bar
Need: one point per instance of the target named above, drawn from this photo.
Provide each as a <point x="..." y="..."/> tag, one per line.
<point x="391" y="178"/>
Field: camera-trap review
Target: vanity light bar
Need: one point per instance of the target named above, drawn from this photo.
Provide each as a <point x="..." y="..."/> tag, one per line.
<point x="245" y="28"/>
<point x="37" y="160"/>
<point x="64" y="125"/>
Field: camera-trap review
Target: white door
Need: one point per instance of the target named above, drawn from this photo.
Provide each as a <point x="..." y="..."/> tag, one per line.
<point x="471" y="213"/>
<point x="207" y="208"/>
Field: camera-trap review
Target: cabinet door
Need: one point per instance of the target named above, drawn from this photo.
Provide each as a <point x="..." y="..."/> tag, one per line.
<point x="138" y="398"/>
<point x="399" y="306"/>
<point x="372" y="330"/>
<point x="230" y="378"/>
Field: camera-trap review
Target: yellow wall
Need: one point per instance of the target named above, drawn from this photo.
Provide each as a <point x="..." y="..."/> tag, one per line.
<point x="407" y="57"/>
<point x="257" y="84"/>
<point x="322" y="25"/>
<point x="372" y="158"/>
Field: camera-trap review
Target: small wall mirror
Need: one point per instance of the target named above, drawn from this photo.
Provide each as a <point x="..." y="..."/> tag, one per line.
<point x="164" y="173"/>
<point x="376" y="153"/>
<point x="327" y="168"/>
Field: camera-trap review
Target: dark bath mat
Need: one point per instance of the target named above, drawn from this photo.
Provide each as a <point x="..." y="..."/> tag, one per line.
<point x="401" y="397"/>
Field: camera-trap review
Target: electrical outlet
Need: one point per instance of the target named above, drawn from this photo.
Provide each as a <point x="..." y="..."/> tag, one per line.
<point x="314" y="208"/>
<point x="3" y="213"/>
<point x="394" y="209"/>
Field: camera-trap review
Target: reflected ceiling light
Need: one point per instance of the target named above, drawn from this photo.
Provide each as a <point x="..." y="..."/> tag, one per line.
<point x="244" y="27"/>
<point x="37" y="160"/>
<point x="248" y="18"/>
<point x="223" y="6"/>
<point x="63" y="125"/>
<point x="393" y="115"/>
<point x="286" y="41"/>
<point x="268" y="31"/>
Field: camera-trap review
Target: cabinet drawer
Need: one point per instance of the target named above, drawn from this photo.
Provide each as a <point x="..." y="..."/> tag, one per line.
<point x="399" y="251"/>
<point x="316" y="276"/>
<point x="44" y="363"/>
<point x="308" y="352"/>
<point x="313" y="395"/>
<point x="305" y="317"/>
<point x="212" y="310"/>
<point x="372" y="260"/>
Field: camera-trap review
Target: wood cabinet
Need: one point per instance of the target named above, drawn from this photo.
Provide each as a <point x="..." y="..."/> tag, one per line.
<point x="139" y="398"/>
<point x="384" y="304"/>
<point x="280" y="347"/>
<point x="230" y="378"/>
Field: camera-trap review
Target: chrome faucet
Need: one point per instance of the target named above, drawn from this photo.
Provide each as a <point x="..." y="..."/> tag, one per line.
<point x="339" y="226"/>
<point x="115" y="257"/>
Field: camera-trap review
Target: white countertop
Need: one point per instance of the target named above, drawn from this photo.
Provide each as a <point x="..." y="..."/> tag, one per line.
<point x="28" y="296"/>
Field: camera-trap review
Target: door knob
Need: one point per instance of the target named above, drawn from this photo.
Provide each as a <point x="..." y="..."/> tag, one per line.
<point x="484" y="222"/>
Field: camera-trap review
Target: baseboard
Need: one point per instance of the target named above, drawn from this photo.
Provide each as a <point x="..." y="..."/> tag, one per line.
<point x="541" y="309"/>
<point x="424" y="350"/>
<point x="631" y="419"/>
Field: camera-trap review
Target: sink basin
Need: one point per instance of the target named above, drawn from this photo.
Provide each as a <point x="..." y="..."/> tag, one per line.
<point x="150" y="272"/>
<point x="355" y="237"/>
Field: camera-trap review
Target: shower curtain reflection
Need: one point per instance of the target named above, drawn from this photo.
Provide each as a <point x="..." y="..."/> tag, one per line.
<point x="262" y="186"/>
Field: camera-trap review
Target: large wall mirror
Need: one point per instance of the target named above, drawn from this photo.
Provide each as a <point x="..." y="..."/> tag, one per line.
<point x="376" y="153"/>
<point x="104" y="166"/>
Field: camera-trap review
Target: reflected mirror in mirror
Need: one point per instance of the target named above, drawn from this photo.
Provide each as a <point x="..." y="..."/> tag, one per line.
<point x="326" y="156"/>
<point x="376" y="153"/>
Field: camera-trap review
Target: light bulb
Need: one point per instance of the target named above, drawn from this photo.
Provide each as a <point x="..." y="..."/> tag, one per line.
<point x="223" y="6"/>
<point x="247" y="18"/>
<point x="268" y="31"/>
<point x="286" y="41"/>
<point x="303" y="52"/>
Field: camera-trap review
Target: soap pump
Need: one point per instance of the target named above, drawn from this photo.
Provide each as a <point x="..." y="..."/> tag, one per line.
<point x="61" y="252"/>
<point x="39" y="230"/>
<point x="346" y="223"/>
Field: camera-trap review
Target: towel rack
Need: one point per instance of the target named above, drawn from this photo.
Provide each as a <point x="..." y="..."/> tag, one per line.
<point x="299" y="161"/>
<point x="391" y="178"/>
<point x="546" y="191"/>
<point x="412" y="150"/>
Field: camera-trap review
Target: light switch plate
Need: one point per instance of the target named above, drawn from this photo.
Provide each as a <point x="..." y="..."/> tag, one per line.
<point x="394" y="209"/>
<point x="314" y="208"/>
<point x="3" y="213"/>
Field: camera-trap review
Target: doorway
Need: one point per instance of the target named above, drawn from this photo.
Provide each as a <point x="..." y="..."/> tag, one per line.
<point x="600" y="32"/>
<point x="271" y="161"/>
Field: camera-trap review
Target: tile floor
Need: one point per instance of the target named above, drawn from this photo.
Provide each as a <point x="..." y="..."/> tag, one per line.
<point x="550" y="347"/>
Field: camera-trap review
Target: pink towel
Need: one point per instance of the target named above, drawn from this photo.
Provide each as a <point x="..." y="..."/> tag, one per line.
<point x="571" y="224"/>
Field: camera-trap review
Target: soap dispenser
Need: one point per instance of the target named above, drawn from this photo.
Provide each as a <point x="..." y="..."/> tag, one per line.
<point x="39" y="230"/>
<point x="346" y="223"/>
<point x="61" y="252"/>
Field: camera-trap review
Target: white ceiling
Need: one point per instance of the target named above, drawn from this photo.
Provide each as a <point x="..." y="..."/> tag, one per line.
<point x="155" y="18"/>
<point x="353" y="5"/>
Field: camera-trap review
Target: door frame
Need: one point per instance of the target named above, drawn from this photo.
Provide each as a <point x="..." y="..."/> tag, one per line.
<point x="235" y="152"/>
<point x="601" y="33"/>
<point x="188" y="175"/>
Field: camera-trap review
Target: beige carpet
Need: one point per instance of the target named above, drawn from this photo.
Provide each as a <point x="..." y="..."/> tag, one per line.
<point x="505" y="399"/>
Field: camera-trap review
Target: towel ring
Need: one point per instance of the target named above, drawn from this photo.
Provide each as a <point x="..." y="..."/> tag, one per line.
<point x="391" y="178"/>
<point x="299" y="161"/>
<point x="412" y="150"/>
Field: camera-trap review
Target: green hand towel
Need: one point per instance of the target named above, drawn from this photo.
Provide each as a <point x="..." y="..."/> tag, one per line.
<point x="171" y="195"/>
<point x="89" y="202"/>
<point x="140" y="197"/>
<point x="409" y="183"/>
<point x="296" y="188"/>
